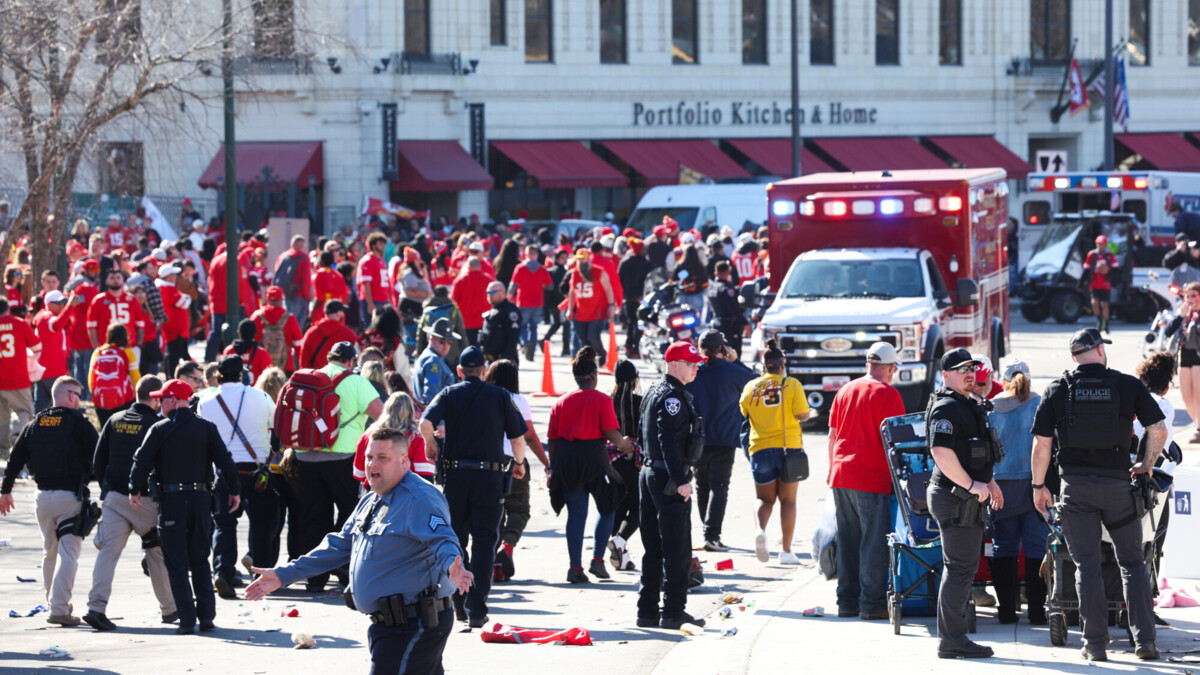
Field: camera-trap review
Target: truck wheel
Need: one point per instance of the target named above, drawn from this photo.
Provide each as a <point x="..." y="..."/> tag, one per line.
<point x="1034" y="312"/>
<point x="1066" y="307"/>
<point x="997" y="345"/>
<point x="935" y="381"/>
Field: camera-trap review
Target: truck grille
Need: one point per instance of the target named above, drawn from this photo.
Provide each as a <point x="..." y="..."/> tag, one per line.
<point x="813" y="352"/>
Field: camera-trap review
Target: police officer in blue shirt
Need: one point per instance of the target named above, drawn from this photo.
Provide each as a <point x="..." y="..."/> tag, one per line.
<point x="477" y="416"/>
<point x="433" y="373"/>
<point x="405" y="562"/>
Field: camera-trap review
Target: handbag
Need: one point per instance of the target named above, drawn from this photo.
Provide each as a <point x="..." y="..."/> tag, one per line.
<point x="795" y="460"/>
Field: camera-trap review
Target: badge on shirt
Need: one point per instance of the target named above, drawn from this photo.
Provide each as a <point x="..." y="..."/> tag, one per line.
<point x="943" y="427"/>
<point x="673" y="406"/>
<point x="434" y="521"/>
<point x="516" y="318"/>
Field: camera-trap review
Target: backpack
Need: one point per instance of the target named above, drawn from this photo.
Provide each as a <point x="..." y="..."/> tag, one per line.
<point x="306" y="415"/>
<point x="285" y="276"/>
<point x="274" y="342"/>
<point x="111" y="385"/>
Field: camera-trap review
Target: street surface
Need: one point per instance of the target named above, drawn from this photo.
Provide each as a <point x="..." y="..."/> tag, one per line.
<point x="772" y="635"/>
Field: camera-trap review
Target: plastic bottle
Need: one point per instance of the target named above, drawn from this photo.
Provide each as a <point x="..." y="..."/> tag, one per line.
<point x="729" y="631"/>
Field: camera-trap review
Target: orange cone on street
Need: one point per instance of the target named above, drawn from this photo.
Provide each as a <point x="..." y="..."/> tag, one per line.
<point x="611" y="364"/>
<point x="547" y="374"/>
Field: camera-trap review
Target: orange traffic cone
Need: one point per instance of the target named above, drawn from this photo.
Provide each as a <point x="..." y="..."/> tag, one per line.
<point x="611" y="364"/>
<point x="547" y="374"/>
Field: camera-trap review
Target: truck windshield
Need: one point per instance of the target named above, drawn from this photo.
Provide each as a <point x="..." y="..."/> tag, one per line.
<point x="1053" y="248"/>
<point x="644" y="220"/>
<point x="897" y="278"/>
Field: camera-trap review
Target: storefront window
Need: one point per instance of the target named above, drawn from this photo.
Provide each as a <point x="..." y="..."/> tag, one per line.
<point x="683" y="32"/>
<point x="820" y="32"/>
<point x="887" y="32"/>
<point x="499" y="32"/>
<point x="1138" y="45"/>
<point x="1049" y="31"/>
<point x="416" y="27"/>
<point x="754" y="31"/>
<point x="538" y="32"/>
<point x="612" y="31"/>
<point x="950" y="33"/>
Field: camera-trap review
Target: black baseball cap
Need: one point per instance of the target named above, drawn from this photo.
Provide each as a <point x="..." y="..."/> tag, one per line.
<point x="472" y="357"/>
<point x="231" y="366"/>
<point x="958" y="357"/>
<point x="712" y="339"/>
<point x="342" y="351"/>
<point x="333" y="307"/>
<point x="1086" y="340"/>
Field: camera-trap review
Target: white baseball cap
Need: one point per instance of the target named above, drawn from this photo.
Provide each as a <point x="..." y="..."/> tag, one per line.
<point x="55" y="296"/>
<point x="197" y="224"/>
<point x="167" y="270"/>
<point x="883" y="352"/>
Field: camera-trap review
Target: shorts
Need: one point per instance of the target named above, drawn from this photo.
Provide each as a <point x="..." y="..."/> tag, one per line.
<point x="767" y="466"/>
<point x="1101" y="294"/>
<point x="1188" y="358"/>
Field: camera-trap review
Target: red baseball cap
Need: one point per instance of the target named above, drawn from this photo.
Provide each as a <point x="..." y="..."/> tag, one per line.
<point x="684" y="351"/>
<point x="629" y="232"/>
<point x="1102" y="240"/>
<point x="174" y="389"/>
<point x="274" y="293"/>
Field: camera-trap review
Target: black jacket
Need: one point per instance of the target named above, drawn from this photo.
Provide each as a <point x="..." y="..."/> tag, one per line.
<point x="182" y="449"/>
<point x="501" y="331"/>
<point x="57" y="445"/>
<point x="666" y="423"/>
<point x="121" y="436"/>
<point x="632" y="272"/>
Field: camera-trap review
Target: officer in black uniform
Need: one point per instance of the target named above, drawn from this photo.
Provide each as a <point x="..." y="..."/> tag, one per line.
<point x="1092" y="409"/>
<point x="964" y="450"/>
<point x="474" y="417"/>
<point x="501" y="332"/>
<point x="57" y="445"/>
<point x="727" y="313"/>
<point x="665" y="491"/>
<point x="181" y="450"/>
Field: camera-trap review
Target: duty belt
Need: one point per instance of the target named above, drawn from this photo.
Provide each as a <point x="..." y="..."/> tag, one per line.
<point x="476" y="465"/>
<point x="184" y="487"/>
<point x="411" y="611"/>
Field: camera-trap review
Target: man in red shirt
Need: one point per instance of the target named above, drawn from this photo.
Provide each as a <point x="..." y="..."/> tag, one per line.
<point x="590" y="303"/>
<point x="293" y="274"/>
<point x="1101" y="263"/>
<point x="324" y="334"/>
<point x="275" y="316"/>
<point x="115" y="233"/>
<point x="217" y="302"/>
<point x="83" y="288"/>
<point x="372" y="277"/>
<point x="862" y="484"/>
<point x="16" y="339"/>
<point x="469" y="292"/>
<point x="476" y="249"/>
<point x="178" y="327"/>
<point x="115" y="305"/>
<point x="51" y="325"/>
<point x="529" y="282"/>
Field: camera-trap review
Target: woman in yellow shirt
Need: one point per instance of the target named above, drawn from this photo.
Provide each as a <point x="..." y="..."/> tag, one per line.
<point x="775" y="404"/>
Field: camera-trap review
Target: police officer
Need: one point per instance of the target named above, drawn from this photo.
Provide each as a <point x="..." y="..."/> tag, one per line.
<point x="181" y="450"/>
<point x="57" y="446"/>
<point x="119" y="439"/>
<point x="1092" y="409"/>
<point x="665" y="491"/>
<point x="433" y="373"/>
<point x="727" y="313"/>
<point x="405" y="563"/>
<point x="476" y="416"/>
<point x="964" y="452"/>
<point x="501" y="332"/>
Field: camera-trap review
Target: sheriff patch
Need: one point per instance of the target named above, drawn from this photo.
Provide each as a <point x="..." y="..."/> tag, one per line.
<point x="943" y="427"/>
<point x="673" y="406"/>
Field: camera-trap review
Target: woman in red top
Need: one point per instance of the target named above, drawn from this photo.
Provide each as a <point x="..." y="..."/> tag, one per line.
<point x="13" y="276"/>
<point x="590" y="303"/>
<point x="327" y="285"/>
<point x="398" y="413"/>
<point x="580" y="422"/>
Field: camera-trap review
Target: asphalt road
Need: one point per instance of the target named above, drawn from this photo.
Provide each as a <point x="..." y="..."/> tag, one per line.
<point x="772" y="632"/>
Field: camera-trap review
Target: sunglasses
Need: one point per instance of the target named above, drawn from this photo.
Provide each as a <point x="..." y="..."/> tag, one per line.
<point x="964" y="369"/>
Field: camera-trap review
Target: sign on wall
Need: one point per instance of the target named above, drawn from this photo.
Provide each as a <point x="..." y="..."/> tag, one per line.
<point x="478" y="139"/>
<point x="391" y="156"/>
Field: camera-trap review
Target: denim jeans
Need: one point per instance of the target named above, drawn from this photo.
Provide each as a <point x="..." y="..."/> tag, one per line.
<point x="41" y="395"/>
<point x="588" y="333"/>
<point x="530" y="318"/>
<point x="577" y="512"/>
<point x="214" y="345"/>
<point x="298" y="307"/>
<point x="863" y="521"/>
<point x="1025" y="529"/>
<point x="80" y="364"/>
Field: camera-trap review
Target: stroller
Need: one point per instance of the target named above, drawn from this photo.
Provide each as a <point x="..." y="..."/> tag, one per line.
<point x="914" y="549"/>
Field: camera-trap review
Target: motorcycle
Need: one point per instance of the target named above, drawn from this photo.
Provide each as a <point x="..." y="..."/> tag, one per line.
<point x="664" y="321"/>
<point x="1164" y="333"/>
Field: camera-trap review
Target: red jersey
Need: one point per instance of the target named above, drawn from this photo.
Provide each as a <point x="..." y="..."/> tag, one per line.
<point x="327" y="285"/>
<point x="609" y="264"/>
<point x="469" y="292"/>
<point x="530" y="284"/>
<point x="591" y="302"/>
<point x="216" y="285"/>
<point x="122" y="308"/>
<point x="14" y="296"/>
<point x="291" y="330"/>
<point x="416" y="455"/>
<point x="16" y="337"/>
<point x="1100" y="281"/>
<point x="77" y="334"/>
<point x="746" y="265"/>
<point x="372" y="278"/>
<point x="582" y="415"/>
<point x="175" y="304"/>
<point x="52" y="332"/>
<point x="256" y="360"/>
<point x="116" y="236"/>
<point x="859" y="460"/>
<point x="324" y="334"/>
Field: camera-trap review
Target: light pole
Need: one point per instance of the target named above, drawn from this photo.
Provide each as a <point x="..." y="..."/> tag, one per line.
<point x="796" y="142"/>
<point x="1110" y="85"/>
<point x="231" y="241"/>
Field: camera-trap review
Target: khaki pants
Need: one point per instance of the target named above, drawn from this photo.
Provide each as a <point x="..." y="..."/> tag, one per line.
<point x="119" y="520"/>
<point x="19" y="401"/>
<point x="53" y="507"/>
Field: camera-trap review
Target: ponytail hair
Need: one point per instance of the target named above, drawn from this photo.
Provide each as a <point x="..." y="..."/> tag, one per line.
<point x="773" y="357"/>
<point x="1019" y="386"/>
<point x="583" y="366"/>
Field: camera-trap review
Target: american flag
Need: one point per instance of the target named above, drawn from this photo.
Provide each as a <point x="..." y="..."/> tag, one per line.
<point x="1121" y="104"/>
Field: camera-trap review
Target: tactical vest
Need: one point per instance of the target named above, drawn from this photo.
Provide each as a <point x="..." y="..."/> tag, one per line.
<point x="1093" y="414"/>
<point x="981" y="448"/>
<point x="54" y="452"/>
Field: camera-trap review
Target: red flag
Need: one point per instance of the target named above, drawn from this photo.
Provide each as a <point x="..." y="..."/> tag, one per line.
<point x="1079" y="96"/>
<point x="378" y="207"/>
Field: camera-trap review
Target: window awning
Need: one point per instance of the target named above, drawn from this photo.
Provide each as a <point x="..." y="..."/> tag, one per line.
<point x="438" y="166"/>
<point x="660" y="161"/>
<point x="775" y="155"/>
<point x="289" y="161"/>
<point x="879" y="153"/>
<point x="561" y="164"/>
<point x="1166" y="152"/>
<point x="978" y="152"/>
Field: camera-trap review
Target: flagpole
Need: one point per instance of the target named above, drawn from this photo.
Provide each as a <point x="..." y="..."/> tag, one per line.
<point x="1110" y="86"/>
<point x="796" y="142"/>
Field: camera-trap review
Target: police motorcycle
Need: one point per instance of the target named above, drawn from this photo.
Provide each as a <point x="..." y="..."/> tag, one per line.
<point x="664" y="320"/>
<point x="1164" y="334"/>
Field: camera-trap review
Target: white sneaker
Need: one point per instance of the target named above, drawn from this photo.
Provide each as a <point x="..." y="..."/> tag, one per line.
<point x="760" y="547"/>
<point x="788" y="558"/>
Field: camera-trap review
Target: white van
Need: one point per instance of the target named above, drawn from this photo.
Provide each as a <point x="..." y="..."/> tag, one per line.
<point x="699" y="206"/>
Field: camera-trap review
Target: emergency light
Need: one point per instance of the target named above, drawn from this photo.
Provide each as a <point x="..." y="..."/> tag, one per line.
<point x="890" y="207"/>
<point x="783" y="207"/>
<point x="835" y="208"/>
<point x="679" y="321"/>
<point x="950" y="203"/>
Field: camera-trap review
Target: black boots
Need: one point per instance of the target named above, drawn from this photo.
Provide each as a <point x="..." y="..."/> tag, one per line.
<point x="1007" y="587"/>
<point x="1035" y="592"/>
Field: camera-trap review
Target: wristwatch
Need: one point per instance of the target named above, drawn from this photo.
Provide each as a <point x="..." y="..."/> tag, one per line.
<point x="1038" y="486"/>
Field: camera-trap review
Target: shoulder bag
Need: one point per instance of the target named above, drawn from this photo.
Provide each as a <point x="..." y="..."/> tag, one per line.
<point x="795" y="461"/>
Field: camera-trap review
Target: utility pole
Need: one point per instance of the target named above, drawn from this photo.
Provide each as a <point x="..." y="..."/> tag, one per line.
<point x="231" y="214"/>
<point x="796" y="142"/>
<point x="1110" y="86"/>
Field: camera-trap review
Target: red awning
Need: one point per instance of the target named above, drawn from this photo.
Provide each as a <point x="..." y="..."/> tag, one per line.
<point x="1165" y="152"/>
<point x="978" y="152"/>
<point x="879" y="154"/>
<point x="438" y="166"/>
<point x="659" y="161"/>
<point x="289" y="161"/>
<point x="561" y="164"/>
<point x="775" y="155"/>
